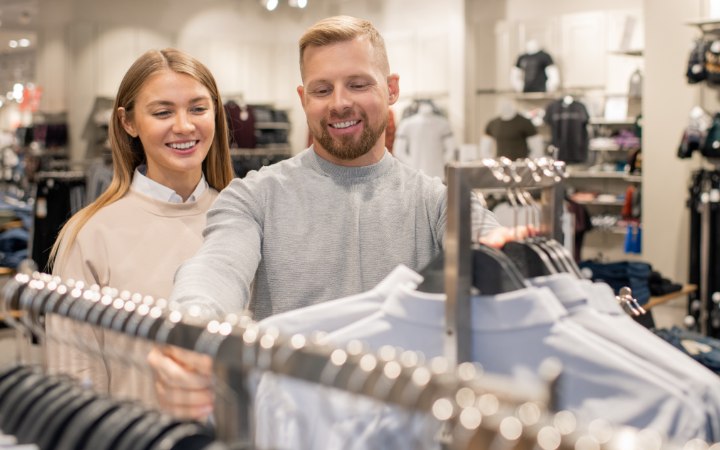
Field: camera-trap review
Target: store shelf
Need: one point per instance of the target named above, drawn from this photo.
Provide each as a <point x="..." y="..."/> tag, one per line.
<point x="630" y="52"/>
<point x="659" y="300"/>
<point x="601" y="121"/>
<point x="705" y="25"/>
<point x="615" y="148"/>
<point x="273" y="125"/>
<point x="606" y="175"/>
<point x="600" y="203"/>
<point x="261" y="151"/>
<point x="610" y="230"/>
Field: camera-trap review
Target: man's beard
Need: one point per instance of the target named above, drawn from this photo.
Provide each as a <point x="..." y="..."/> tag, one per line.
<point x="346" y="148"/>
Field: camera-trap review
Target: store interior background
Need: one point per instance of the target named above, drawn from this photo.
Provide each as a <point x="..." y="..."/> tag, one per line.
<point x="457" y="52"/>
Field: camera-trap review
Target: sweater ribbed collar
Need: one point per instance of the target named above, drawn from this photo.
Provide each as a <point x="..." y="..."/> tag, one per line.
<point x="347" y="174"/>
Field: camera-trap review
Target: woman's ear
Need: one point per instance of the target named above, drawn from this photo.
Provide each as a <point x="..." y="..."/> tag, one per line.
<point x="127" y="123"/>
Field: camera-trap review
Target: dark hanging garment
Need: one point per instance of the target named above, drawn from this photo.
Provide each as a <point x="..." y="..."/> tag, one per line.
<point x="56" y="199"/>
<point x="703" y="182"/>
<point x="696" y="71"/>
<point x="241" y="124"/>
<point x="568" y="127"/>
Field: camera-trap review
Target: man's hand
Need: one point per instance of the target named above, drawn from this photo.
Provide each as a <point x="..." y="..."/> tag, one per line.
<point x="498" y="237"/>
<point x="183" y="382"/>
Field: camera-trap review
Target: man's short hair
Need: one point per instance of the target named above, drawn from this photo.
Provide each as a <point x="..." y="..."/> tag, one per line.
<point x="342" y="29"/>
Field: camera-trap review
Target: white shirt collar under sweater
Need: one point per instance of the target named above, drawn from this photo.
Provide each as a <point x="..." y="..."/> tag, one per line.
<point x="349" y="174"/>
<point x="507" y="311"/>
<point x="151" y="188"/>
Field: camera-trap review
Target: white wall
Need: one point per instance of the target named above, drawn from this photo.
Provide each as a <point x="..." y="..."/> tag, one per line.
<point x="87" y="45"/>
<point x="667" y="99"/>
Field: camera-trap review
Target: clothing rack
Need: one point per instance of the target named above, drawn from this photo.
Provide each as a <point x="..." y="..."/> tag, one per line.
<point x="488" y="175"/>
<point x="478" y="411"/>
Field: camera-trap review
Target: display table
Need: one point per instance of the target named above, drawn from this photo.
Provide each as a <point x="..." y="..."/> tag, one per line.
<point x="659" y="300"/>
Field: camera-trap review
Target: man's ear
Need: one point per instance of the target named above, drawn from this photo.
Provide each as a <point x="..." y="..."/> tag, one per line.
<point x="393" y="81"/>
<point x="301" y="93"/>
<point x="127" y="123"/>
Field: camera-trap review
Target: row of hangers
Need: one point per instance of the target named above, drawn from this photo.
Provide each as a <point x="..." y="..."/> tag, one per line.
<point x="478" y="409"/>
<point x="504" y="265"/>
<point x="55" y="413"/>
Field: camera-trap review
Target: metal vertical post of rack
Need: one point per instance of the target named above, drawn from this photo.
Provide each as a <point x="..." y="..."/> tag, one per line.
<point x="704" y="210"/>
<point x="487" y="175"/>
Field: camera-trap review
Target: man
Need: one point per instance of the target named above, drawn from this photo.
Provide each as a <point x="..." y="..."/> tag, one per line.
<point x="330" y="222"/>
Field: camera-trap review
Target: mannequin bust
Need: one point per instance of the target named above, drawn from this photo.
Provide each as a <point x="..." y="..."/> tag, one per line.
<point x="510" y="135"/>
<point x="534" y="70"/>
<point x="425" y="141"/>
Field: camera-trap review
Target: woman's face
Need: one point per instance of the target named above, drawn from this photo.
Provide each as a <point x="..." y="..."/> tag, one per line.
<point x="175" y="121"/>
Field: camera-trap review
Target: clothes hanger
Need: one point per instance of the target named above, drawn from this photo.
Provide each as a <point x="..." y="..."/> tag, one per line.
<point x="57" y="416"/>
<point x="80" y="426"/>
<point x="15" y="405"/>
<point x="493" y="271"/>
<point x="186" y="436"/>
<point x="28" y="429"/>
<point x="531" y="259"/>
<point x="115" y="425"/>
<point x="433" y="276"/>
<point x="561" y="258"/>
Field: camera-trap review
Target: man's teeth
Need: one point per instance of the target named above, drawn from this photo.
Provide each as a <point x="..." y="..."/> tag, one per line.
<point x="184" y="145"/>
<point x="344" y="124"/>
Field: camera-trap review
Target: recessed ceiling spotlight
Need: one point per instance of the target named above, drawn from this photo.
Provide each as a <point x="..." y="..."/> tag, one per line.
<point x="270" y="5"/>
<point x="24" y="42"/>
<point x="13" y="43"/>
<point x="297" y="3"/>
<point x="25" y="17"/>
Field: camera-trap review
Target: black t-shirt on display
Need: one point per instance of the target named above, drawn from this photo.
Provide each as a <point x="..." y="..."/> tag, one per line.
<point x="533" y="66"/>
<point x="511" y="136"/>
<point x="568" y="126"/>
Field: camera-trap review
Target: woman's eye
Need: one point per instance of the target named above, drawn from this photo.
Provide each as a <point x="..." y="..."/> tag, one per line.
<point x="199" y="109"/>
<point x="161" y="114"/>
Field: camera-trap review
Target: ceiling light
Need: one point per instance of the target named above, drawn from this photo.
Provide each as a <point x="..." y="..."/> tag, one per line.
<point x="13" y="43"/>
<point x="24" y="42"/>
<point x="270" y="5"/>
<point x="297" y="3"/>
<point x="24" y="17"/>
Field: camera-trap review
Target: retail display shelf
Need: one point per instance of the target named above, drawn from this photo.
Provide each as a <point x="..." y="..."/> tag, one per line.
<point x="619" y="230"/>
<point x="273" y="125"/>
<point x="600" y="202"/>
<point x="261" y="151"/>
<point x="629" y="52"/>
<point x="603" y="121"/>
<point x="705" y="25"/>
<point x="659" y="300"/>
<point x="614" y="175"/>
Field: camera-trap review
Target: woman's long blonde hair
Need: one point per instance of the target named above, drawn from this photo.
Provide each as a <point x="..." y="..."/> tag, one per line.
<point x="128" y="153"/>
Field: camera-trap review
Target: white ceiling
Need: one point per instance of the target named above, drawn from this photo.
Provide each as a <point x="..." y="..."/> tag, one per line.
<point x="18" y="20"/>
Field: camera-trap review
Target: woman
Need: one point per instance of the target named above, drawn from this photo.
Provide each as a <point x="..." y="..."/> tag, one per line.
<point x="169" y="143"/>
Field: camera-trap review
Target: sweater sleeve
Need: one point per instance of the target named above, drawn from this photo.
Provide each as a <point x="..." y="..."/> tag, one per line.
<point x="482" y="219"/>
<point x="219" y="277"/>
<point x="86" y="260"/>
